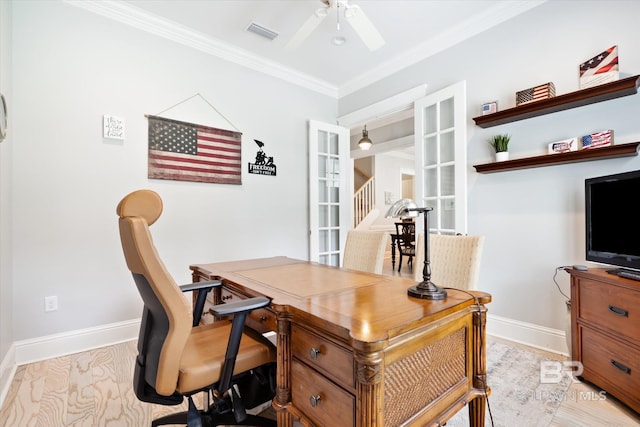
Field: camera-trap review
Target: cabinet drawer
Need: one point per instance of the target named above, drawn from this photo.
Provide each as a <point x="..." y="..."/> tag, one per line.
<point x="612" y="307"/>
<point x="319" y="399"/>
<point x="611" y="365"/>
<point x="323" y="355"/>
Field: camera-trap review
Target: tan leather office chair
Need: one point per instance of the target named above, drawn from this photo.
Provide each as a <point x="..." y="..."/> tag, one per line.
<point x="364" y="251"/>
<point x="176" y="357"/>
<point x="455" y="260"/>
<point x="405" y="242"/>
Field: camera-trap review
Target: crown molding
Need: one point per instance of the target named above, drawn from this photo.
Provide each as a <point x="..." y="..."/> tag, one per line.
<point x="142" y="20"/>
<point x="137" y="18"/>
<point x="380" y="110"/>
<point x="462" y="31"/>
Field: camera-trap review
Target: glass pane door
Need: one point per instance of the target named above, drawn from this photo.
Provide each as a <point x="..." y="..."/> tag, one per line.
<point x="441" y="159"/>
<point x="328" y="185"/>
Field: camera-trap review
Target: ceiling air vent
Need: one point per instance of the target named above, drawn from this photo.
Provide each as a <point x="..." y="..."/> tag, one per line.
<point x="262" y="31"/>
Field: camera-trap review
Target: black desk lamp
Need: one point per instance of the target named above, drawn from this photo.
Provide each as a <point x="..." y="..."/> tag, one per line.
<point x="404" y="208"/>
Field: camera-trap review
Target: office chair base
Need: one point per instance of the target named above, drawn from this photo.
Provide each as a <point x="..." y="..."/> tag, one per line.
<point x="213" y="419"/>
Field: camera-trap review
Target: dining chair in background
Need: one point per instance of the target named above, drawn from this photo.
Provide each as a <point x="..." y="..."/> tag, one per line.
<point x="406" y="242"/>
<point x="364" y="251"/>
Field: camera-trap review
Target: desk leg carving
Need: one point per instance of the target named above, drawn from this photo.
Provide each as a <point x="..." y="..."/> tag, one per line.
<point x="477" y="405"/>
<point x="369" y="401"/>
<point x="283" y="378"/>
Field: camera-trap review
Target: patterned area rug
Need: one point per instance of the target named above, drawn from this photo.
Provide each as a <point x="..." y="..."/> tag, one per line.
<point x="518" y="398"/>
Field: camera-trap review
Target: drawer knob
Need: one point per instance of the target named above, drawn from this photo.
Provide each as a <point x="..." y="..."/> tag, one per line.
<point x="313" y="353"/>
<point x="263" y="319"/>
<point x="314" y="401"/>
<point x="619" y="311"/>
<point x="620" y="366"/>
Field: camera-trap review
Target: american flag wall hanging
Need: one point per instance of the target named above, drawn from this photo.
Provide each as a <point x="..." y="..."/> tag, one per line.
<point x="183" y="151"/>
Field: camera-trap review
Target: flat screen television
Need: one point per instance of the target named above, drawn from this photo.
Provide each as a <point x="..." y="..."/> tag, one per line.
<point x="612" y="219"/>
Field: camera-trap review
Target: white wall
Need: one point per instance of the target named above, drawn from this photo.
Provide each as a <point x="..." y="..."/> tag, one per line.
<point x="389" y="168"/>
<point x="70" y="67"/>
<point x="6" y="293"/>
<point x="60" y="180"/>
<point x="533" y="219"/>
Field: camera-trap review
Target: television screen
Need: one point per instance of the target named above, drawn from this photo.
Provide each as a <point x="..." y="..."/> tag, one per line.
<point x="612" y="219"/>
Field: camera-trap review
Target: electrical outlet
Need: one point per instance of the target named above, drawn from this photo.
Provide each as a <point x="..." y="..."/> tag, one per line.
<point x="50" y="303"/>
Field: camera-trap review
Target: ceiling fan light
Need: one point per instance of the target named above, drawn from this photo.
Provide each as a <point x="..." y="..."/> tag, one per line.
<point x="365" y="143"/>
<point x="338" y="40"/>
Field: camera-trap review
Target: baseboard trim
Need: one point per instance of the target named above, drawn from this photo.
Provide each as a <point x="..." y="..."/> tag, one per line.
<point x="7" y="372"/>
<point x="50" y="346"/>
<point x="541" y="337"/>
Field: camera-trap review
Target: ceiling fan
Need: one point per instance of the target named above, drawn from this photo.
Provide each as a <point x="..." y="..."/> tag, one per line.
<point x="353" y="14"/>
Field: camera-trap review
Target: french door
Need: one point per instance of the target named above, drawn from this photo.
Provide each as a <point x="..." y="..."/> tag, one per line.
<point x="441" y="159"/>
<point x="330" y="190"/>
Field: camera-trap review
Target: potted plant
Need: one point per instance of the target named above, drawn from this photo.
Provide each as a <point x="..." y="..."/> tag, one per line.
<point x="500" y="144"/>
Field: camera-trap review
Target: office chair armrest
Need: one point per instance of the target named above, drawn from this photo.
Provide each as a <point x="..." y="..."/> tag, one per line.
<point x="239" y="306"/>
<point x="240" y="310"/>
<point x="200" y="285"/>
<point x="201" y="289"/>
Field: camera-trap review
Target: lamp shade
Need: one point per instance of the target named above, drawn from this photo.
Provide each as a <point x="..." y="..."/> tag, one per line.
<point x="401" y="209"/>
<point x="426" y="290"/>
<point x="365" y="143"/>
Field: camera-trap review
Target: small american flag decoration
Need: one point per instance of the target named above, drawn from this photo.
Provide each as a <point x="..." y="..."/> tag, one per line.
<point x="602" y="68"/>
<point x="537" y="93"/>
<point x="183" y="151"/>
<point x="563" y="146"/>
<point x="597" y="139"/>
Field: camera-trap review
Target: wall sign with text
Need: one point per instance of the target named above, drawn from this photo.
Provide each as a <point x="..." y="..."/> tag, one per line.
<point x="263" y="164"/>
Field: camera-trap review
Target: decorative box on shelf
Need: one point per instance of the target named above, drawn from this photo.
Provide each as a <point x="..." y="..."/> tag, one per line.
<point x="602" y="68"/>
<point x="563" y="146"/>
<point x="536" y="93"/>
<point x="597" y="139"/>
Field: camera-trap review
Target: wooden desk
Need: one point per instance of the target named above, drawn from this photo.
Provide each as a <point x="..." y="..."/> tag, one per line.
<point x="354" y="349"/>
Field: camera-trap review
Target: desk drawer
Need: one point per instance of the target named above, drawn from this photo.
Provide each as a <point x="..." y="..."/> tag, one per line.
<point x="323" y="355"/>
<point x="611" y="365"/>
<point x="612" y="307"/>
<point x="323" y="402"/>
<point x="261" y="319"/>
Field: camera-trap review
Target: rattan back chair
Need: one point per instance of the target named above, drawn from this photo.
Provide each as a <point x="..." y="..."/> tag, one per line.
<point x="365" y="251"/>
<point x="455" y="260"/>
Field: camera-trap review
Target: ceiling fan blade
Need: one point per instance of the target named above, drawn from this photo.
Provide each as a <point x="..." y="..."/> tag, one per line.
<point x="364" y="27"/>
<point x="307" y="28"/>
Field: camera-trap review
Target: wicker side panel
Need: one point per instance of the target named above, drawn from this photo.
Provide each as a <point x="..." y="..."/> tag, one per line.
<point x="413" y="382"/>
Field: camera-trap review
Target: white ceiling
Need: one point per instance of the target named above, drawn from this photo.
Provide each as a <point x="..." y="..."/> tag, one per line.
<point x="412" y="30"/>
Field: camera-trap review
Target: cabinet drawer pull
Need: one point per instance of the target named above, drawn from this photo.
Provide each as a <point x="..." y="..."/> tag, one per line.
<point x="226" y="297"/>
<point x="314" y="400"/>
<point x="619" y="311"/>
<point x="313" y="353"/>
<point x="620" y="366"/>
<point x="263" y="319"/>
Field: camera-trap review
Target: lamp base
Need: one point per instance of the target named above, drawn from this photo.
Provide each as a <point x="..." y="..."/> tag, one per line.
<point x="427" y="290"/>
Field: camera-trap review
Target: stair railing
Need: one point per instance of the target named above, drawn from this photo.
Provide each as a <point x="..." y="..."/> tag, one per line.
<point x="363" y="201"/>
